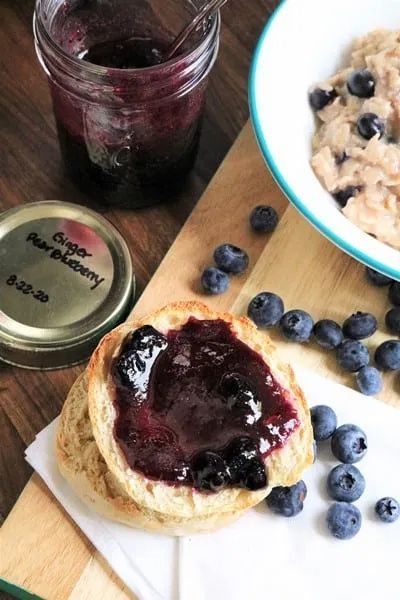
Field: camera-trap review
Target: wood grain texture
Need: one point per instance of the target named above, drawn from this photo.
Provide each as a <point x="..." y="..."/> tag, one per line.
<point x="295" y="261"/>
<point x="30" y="170"/>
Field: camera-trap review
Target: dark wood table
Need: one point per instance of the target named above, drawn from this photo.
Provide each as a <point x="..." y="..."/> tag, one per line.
<point x="30" y="169"/>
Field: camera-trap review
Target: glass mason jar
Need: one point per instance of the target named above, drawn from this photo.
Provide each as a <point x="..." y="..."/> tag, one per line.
<point x="128" y="124"/>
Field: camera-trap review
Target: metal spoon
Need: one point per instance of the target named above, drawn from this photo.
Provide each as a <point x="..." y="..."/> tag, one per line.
<point x="205" y="12"/>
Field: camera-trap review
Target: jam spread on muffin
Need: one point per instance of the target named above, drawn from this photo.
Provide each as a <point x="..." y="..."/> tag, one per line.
<point x="198" y="407"/>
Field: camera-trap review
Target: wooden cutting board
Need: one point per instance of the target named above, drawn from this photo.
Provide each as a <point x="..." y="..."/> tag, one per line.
<point x="41" y="549"/>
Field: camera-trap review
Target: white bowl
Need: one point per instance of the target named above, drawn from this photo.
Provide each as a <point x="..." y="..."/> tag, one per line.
<point x="304" y="42"/>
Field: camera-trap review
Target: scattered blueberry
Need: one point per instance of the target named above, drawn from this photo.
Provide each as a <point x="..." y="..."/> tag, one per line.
<point x="343" y="196"/>
<point x="387" y="355"/>
<point x="214" y="281"/>
<point x="392" y="320"/>
<point x="297" y="325"/>
<point x="388" y="510"/>
<point x="287" y="501"/>
<point x="349" y="444"/>
<point x="352" y="355"/>
<point x="343" y="520"/>
<point x="320" y="98"/>
<point x="231" y="259"/>
<point x="369" y="125"/>
<point x="361" y="84"/>
<point x="360" y="326"/>
<point x="264" y="219"/>
<point x="394" y="293"/>
<point x="324" y="422"/>
<point x="346" y="483"/>
<point x="266" y="309"/>
<point x="369" y="381"/>
<point x="209" y="471"/>
<point x="377" y="278"/>
<point x="328" y="334"/>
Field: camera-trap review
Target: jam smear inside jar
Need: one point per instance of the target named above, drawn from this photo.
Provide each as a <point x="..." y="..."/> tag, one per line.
<point x="128" y="121"/>
<point x="198" y="407"/>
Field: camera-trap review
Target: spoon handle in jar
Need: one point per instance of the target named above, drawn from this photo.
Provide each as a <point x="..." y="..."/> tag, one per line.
<point x="207" y="10"/>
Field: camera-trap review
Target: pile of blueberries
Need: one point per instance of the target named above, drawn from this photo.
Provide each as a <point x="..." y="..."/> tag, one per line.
<point x="345" y="483"/>
<point x="267" y="310"/>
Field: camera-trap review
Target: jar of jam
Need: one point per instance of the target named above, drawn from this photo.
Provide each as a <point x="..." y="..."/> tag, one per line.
<point x="128" y="121"/>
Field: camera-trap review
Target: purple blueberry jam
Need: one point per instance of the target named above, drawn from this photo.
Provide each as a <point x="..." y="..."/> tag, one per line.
<point x="198" y="407"/>
<point x="128" y="122"/>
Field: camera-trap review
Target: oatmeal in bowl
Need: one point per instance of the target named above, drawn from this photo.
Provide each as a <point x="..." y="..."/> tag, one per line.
<point x="356" y="148"/>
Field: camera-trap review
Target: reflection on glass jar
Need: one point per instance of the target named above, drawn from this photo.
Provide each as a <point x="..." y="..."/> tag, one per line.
<point x="128" y="124"/>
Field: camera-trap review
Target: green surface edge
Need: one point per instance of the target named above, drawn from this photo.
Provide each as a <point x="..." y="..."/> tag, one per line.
<point x="16" y="591"/>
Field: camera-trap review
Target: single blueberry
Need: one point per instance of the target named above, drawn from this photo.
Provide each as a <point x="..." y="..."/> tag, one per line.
<point x="255" y="477"/>
<point x="369" y="125"/>
<point x="387" y="355"/>
<point x="361" y="83"/>
<point x="394" y="293"/>
<point x="349" y="444"/>
<point x="369" y="381"/>
<point x="392" y="320"/>
<point x="352" y="355"/>
<point x="264" y="219"/>
<point x="266" y="309"/>
<point x="209" y="471"/>
<point x="328" y="334"/>
<point x="376" y="278"/>
<point x="387" y="509"/>
<point x="139" y="352"/>
<point x="245" y="465"/>
<point x="343" y="520"/>
<point x="297" y="325"/>
<point x="324" y="422"/>
<point x="320" y="98"/>
<point x="231" y="259"/>
<point x="287" y="501"/>
<point x="341" y="158"/>
<point x="241" y="396"/>
<point x="214" y="281"/>
<point x="345" y="483"/>
<point x="360" y="326"/>
<point x="343" y="196"/>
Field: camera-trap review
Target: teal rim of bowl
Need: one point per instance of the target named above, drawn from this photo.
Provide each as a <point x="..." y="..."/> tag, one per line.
<point x="278" y="176"/>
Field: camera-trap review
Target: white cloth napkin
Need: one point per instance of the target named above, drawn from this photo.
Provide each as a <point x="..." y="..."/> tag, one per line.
<point x="262" y="555"/>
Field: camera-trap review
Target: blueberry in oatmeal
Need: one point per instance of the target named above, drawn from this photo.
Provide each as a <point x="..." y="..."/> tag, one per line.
<point x="369" y="125"/>
<point x="343" y="196"/>
<point x="357" y="120"/>
<point x="319" y="98"/>
<point x="361" y="83"/>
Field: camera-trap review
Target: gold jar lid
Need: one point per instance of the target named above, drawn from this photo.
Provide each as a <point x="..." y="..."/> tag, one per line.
<point x="66" y="279"/>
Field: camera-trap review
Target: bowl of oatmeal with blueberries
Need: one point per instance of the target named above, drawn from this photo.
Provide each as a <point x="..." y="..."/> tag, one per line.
<point x="325" y="106"/>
